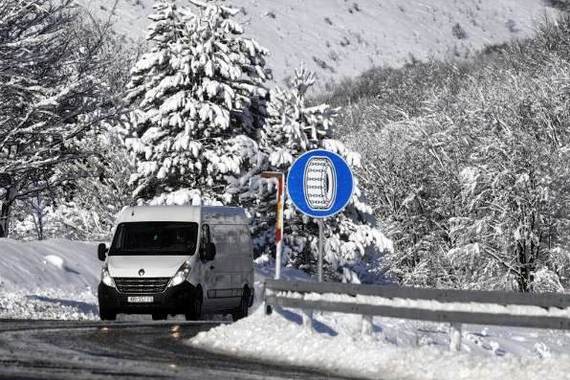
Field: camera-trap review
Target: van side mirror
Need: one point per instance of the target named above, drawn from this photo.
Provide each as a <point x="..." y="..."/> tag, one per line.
<point x="209" y="252"/>
<point x="101" y="251"/>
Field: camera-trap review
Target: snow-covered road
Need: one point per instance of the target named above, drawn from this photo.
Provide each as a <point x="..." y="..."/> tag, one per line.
<point x="96" y="350"/>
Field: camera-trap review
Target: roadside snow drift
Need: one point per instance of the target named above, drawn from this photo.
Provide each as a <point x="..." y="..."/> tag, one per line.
<point x="52" y="279"/>
<point x="396" y="349"/>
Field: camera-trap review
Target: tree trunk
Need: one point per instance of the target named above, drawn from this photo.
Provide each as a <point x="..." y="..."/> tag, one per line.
<point x="524" y="279"/>
<point x="4" y="218"/>
<point x="5" y="211"/>
<point x="37" y="206"/>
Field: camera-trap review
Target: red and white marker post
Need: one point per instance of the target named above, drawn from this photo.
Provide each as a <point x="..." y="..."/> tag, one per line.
<point x="279" y="222"/>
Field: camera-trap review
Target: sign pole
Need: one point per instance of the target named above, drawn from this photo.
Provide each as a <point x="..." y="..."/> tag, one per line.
<point x="279" y="227"/>
<point x="320" y="184"/>
<point x="321" y="227"/>
<point x="279" y="222"/>
<point x="278" y="247"/>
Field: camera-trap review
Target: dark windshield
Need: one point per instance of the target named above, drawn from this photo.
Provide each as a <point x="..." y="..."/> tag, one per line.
<point x="155" y="238"/>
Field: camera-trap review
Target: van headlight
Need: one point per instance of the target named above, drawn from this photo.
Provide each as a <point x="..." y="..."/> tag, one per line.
<point x="181" y="275"/>
<point x="106" y="277"/>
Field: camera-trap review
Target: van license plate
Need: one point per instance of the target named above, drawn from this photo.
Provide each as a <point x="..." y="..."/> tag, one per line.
<point x="141" y="299"/>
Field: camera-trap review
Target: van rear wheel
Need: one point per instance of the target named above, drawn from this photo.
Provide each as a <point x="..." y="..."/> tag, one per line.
<point x="243" y="308"/>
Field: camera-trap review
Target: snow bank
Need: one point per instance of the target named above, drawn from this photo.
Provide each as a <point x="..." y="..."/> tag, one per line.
<point x="49" y="305"/>
<point x="396" y="349"/>
<point x="336" y="346"/>
<point x="49" y="264"/>
<point x="52" y="279"/>
<point x="264" y="269"/>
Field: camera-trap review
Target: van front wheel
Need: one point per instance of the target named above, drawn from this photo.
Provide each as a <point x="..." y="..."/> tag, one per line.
<point x="242" y="310"/>
<point x="106" y="315"/>
<point x="195" y="312"/>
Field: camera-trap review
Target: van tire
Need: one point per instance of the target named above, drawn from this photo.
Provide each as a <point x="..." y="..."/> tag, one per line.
<point x="159" y="317"/>
<point x="243" y="308"/>
<point x="106" y="315"/>
<point x="195" y="312"/>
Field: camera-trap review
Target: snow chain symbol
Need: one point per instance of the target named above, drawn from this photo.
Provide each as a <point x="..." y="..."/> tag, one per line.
<point x="320" y="183"/>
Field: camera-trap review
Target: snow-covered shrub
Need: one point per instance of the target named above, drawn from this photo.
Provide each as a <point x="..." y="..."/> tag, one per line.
<point x="85" y="207"/>
<point x="54" y="89"/>
<point x="467" y="165"/>
<point x="100" y="191"/>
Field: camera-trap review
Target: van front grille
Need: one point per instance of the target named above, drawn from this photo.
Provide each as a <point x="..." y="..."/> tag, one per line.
<point x="134" y="285"/>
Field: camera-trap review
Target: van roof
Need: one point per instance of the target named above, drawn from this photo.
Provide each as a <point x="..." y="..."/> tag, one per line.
<point x="207" y="214"/>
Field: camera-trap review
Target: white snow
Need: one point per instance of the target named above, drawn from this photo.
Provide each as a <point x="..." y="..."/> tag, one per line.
<point x="48" y="304"/>
<point x="395" y="348"/>
<point x="333" y="347"/>
<point x="50" y="264"/>
<point x="52" y="279"/>
<point x="339" y="38"/>
<point x="55" y="260"/>
<point x="57" y="279"/>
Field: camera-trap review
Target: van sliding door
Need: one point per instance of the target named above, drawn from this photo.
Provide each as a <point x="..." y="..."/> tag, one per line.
<point x="230" y="269"/>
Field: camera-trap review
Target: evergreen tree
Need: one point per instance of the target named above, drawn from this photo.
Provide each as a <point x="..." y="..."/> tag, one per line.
<point x="351" y="237"/>
<point x="198" y="97"/>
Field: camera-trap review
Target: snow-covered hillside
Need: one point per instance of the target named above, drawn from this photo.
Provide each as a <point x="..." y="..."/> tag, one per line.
<point x="338" y="38"/>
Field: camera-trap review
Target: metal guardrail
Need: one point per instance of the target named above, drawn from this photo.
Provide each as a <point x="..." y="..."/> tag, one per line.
<point x="277" y="293"/>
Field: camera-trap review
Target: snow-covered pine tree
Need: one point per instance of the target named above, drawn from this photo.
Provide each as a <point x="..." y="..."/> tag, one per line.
<point x="198" y="101"/>
<point x="352" y="238"/>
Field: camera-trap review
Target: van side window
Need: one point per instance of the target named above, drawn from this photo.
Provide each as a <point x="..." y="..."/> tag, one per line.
<point x="120" y="238"/>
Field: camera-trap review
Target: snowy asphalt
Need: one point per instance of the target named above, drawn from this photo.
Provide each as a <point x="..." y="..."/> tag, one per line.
<point x="97" y="350"/>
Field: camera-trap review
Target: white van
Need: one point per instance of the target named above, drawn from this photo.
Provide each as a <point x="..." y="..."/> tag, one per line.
<point x="178" y="260"/>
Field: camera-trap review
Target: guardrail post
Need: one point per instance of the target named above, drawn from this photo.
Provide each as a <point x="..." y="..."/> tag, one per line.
<point x="307" y="318"/>
<point x="268" y="307"/>
<point x="367" y="326"/>
<point x="455" y="336"/>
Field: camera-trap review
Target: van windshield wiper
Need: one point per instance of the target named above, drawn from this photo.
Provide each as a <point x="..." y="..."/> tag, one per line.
<point x="134" y="252"/>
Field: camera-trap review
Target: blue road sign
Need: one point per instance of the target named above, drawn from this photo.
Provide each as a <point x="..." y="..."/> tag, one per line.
<point x="320" y="183"/>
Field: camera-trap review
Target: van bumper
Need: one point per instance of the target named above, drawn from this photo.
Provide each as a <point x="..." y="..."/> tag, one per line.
<point x="175" y="300"/>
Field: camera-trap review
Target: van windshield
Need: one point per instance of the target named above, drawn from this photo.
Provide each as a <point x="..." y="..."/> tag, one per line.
<point x="155" y="238"/>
